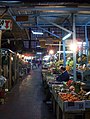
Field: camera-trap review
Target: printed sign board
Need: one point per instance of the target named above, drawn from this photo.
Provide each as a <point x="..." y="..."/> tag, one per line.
<point x="5" y="24"/>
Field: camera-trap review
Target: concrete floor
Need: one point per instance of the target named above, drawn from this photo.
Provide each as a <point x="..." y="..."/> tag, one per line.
<point x="25" y="101"/>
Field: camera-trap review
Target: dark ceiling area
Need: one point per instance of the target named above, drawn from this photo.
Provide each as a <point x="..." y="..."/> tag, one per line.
<point x="42" y="15"/>
<point x="51" y="1"/>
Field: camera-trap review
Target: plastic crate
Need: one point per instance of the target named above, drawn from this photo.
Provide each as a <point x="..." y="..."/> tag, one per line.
<point x="74" y="106"/>
<point x="71" y="106"/>
<point x="87" y="104"/>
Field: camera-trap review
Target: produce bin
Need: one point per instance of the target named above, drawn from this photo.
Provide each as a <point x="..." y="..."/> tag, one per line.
<point x="71" y="106"/>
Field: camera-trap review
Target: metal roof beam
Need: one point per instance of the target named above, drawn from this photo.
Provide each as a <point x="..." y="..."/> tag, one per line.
<point x="9" y="11"/>
<point x="49" y="32"/>
<point x="57" y="8"/>
<point x="56" y="25"/>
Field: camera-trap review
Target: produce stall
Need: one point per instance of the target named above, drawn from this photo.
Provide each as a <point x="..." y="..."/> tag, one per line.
<point x="84" y="75"/>
<point x="67" y="103"/>
<point x="69" y="100"/>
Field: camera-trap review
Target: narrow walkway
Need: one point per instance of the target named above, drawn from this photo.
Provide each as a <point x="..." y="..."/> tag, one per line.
<point x="25" y="101"/>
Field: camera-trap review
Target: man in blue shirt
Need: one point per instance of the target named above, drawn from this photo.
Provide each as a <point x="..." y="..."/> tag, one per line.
<point x="64" y="76"/>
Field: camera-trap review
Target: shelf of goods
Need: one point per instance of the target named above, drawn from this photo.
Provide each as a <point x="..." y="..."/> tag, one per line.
<point x="84" y="75"/>
<point x="68" y="110"/>
<point x="68" y="102"/>
<point x="70" y="106"/>
<point x="77" y="105"/>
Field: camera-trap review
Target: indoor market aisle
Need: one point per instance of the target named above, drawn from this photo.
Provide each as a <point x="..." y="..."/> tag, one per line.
<point x="25" y="101"/>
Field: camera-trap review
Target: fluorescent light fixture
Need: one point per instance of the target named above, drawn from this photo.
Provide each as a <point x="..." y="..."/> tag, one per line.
<point x="38" y="46"/>
<point x="65" y="51"/>
<point x="67" y="36"/>
<point x="37" y="33"/>
<point x="39" y="53"/>
<point x="81" y="43"/>
<point x="10" y="1"/>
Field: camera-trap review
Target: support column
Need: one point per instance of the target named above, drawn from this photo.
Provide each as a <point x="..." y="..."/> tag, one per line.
<point x="15" y="78"/>
<point x="64" y="54"/>
<point x="59" y="49"/>
<point x="0" y="53"/>
<point x="10" y="72"/>
<point x="30" y="38"/>
<point x="74" y="53"/>
<point x="5" y="68"/>
<point x="87" y="43"/>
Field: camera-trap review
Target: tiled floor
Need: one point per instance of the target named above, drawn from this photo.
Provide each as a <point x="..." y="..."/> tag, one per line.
<point x="25" y="101"/>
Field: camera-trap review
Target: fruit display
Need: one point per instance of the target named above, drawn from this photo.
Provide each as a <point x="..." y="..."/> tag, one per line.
<point x="70" y="92"/>
<point x="69" y="83"/>
<point x="74" y="93"/>
<point x="69" y="64"/>
<point x="83" y="68"/>
<point x="53" y="69"/>
<point x="82" y="95"/>
<point x="82" y="59"/>
<point x="68" y="97"/>
<point x="58" y="63"/>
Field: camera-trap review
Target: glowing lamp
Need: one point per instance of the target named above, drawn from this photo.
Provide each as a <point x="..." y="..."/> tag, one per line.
<point x="51" y="52"/>
<point x="73" y="47"/>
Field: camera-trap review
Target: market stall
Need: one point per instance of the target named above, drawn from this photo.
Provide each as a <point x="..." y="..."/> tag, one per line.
<point x="69" y="99"/>
<point x="84" y="75"/>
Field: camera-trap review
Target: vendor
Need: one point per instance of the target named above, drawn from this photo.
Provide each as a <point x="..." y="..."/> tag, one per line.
<point x="64" y="76"/>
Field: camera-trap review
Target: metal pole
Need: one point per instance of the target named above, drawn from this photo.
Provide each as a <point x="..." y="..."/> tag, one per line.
<point x="87" y="44"/>
<point x="64" y="54"/>
<point x="59" y="49"/>
<point x="0" y="53"/>
<point x="74" y="53"/>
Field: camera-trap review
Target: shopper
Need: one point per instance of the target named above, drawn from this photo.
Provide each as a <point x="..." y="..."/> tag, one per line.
<point x="64" y="76"/>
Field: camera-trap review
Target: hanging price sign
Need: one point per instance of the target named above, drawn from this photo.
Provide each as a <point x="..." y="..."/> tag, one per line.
<point x="5" y="24"/>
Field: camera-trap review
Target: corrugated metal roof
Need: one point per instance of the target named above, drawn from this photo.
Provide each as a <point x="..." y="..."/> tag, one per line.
<point x="59" y="12"/>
